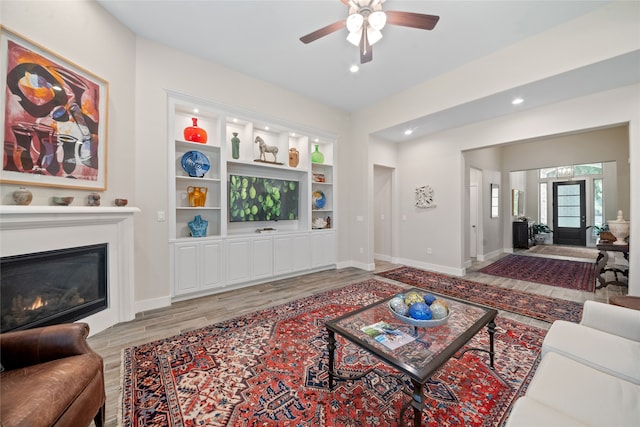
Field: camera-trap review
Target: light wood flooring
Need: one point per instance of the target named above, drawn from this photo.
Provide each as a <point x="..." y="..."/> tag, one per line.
<point x="195" y="313"/>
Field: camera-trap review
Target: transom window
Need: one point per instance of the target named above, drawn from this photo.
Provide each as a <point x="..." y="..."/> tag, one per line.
<point x="571" y="171"/>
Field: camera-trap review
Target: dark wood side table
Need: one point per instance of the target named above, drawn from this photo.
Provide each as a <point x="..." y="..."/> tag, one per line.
<point x="625" y="301"/>
<point x="523" y="234"/>
<point x="603" y="258"/>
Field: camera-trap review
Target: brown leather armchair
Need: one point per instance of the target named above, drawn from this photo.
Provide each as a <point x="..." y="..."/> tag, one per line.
<point x="51" y="377"/>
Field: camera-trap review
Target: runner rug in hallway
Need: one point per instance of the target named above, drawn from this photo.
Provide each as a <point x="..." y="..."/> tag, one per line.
<point x="537" y="306"/>
<point x="269" y="368"/>
<point x="576" y="275"/>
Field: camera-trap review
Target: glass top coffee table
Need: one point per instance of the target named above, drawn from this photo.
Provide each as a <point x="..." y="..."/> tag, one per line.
<point x="429" y="348"/>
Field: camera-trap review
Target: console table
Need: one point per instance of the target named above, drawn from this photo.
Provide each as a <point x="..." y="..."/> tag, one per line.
<point x="523" y="234"/>
<point x="603" y="259"/>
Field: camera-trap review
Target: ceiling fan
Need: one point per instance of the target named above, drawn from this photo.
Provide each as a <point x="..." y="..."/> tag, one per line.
<point x="366" y="19"/>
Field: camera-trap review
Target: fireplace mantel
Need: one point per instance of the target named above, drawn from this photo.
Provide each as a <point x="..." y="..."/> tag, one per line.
<point x="16" y="217"/>
<point x="28" y="229"/>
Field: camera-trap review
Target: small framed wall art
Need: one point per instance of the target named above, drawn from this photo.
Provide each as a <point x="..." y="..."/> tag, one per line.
<point x="55" y="118"/>
<point x="424" y="197"/>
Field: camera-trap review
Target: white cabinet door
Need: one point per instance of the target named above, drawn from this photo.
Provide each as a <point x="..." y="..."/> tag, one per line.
<point x="212" y="263"/>
<point x="185" y="279"/>
<point x="197" y="266"/>
<point x="262" y="262"/>
<point x="238" y="260"/>
<point x="323" y="249"/>
<point x="283" y="254"/>
<point x="301" y="252"/>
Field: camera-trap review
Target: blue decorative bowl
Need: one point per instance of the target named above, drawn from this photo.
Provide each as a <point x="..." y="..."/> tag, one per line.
<point x="420" y="323"/>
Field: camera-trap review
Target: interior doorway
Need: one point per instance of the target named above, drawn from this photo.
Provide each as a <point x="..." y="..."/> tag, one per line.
<point x="475" y="178"/>
<point x="382" y="212"/>
<point x="569" y="213"/>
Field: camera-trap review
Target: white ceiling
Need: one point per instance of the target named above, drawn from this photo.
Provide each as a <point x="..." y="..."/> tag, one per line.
<point x="261" y="39"/>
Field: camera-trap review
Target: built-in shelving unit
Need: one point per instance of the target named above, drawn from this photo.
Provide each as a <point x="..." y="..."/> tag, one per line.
<point x="233" y="253"/>
<point x="210" y="183"/>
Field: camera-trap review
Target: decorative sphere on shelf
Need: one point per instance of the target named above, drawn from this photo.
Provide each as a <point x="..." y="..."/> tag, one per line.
<point x="420" y="311"/>
<point x="412" y="297"/>
<point x="319" y="199"/>
<point x="397" y="304"/>
<point x="429" y="299"/>
<point x="439" y="310"/>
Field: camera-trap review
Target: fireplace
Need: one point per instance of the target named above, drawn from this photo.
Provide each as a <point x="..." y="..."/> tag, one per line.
<point x="58" y="286"/>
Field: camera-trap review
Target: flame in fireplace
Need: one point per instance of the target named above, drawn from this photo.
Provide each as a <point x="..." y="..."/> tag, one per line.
<point x="37" y="304"/>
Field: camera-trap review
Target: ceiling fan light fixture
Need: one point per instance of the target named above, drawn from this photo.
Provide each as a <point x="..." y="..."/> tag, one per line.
<point x="377" y="20"/>
<point x="355" y="22"/>
<point x="373" y="35"/>
<point x="354" y="37"/>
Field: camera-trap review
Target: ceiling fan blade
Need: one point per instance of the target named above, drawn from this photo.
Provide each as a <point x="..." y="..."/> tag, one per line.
<point x="413" y="20"/>
<point x="331" y="28"/>
<point x="366" y="54"/>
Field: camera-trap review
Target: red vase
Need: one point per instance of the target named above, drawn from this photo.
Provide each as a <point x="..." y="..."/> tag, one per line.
<point x="194" y="133"/>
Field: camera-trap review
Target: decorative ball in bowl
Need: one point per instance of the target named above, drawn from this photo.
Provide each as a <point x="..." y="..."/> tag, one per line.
<point x="121" y="202"/>
<point x="425" y="311"/>
<point x="62" y="200"/>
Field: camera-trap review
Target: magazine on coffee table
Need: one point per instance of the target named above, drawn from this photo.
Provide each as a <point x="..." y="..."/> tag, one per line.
<point x="387" y="335"/>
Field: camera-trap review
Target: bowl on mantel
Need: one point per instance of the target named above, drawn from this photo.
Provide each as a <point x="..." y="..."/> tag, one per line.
<point x="62" y="200"/>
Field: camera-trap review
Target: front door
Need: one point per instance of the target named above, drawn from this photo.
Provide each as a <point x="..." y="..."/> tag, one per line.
<point x="569" y="213"/>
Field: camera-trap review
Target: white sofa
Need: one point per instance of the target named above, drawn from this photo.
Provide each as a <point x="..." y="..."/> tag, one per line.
<point x="589" y="374"/>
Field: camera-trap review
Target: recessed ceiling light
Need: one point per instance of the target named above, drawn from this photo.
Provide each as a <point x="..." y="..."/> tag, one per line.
<point x="235" y="120"/>
<point x="266" y="128"/>
<point x="408" y="131"/>
<point x="354" y="68"/>
<point x="195" y="110"/>
<point x="316" y="140"/>
<point x="517" y="101"/>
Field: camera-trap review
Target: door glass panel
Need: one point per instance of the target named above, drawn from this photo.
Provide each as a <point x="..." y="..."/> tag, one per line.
<point x="569" y="222"/>
<point x="569" y="206"/>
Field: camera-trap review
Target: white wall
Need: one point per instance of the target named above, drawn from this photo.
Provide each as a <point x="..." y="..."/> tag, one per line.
<point x="186" y="73"/>
<point x="603" y="34"/>
<point x="437" y="159"/>
<point x="77" y="32"/>
<point x="383" y="160"/>
<point x="139" y="73"/>
<point x="383" y="186"/>
<point x="442" y="227"/>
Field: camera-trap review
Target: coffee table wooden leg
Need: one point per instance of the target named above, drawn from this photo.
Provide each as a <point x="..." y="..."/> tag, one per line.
<point x="331" y="345"/>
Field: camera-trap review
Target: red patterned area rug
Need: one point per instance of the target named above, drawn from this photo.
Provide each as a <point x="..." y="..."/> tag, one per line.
<point x="269" y="368"/>
<point x="537" y="306"/>
<point x="576" y="275"/>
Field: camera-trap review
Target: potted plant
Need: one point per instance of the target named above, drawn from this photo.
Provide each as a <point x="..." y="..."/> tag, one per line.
<point x="541" y="232"/>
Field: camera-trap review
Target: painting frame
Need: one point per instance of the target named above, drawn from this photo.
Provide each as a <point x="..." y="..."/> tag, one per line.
<point x="55" y="118"/>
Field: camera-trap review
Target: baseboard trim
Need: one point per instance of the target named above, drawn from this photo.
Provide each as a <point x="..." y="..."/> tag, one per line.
<point x="152" y="304"/>
<point x="459" y="272"/>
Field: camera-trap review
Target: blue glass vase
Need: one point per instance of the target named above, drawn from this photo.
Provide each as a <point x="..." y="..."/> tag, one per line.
<point x="198" y="226"/>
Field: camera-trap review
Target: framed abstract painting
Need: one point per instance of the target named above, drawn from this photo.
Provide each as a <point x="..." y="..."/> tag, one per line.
<point x="55" y="118"/>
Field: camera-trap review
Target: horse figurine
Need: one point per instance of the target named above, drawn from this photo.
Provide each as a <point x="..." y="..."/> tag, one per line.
<point x="264" y="148"/>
